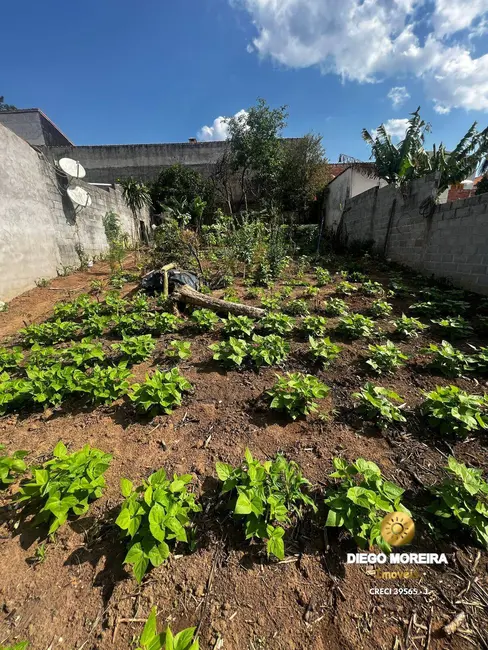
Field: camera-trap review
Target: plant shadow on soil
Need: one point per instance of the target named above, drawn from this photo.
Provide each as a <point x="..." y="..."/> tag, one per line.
<point x="102" y="540"/>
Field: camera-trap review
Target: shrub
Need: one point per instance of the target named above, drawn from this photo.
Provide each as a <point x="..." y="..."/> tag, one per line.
<point x="345" y="288"/>
<point x="399" y="289"/>
<point x="297" y="307"/>
<point x="371" y="288"/>
<point x="231" y="295"/>
<point x="48" y="333"/>
<point x="427" y="308"/>
<point x="271" y="303"/>
<point x="454" y="326"/>
<point x="139" y="303"/>
<point x="114" y="304"/>
<point x="105" y="385"/>
<point x="323" y="276"/>
<point x="277" y="323"/>
<point x="155" y="513"/>
<point x="179" y="350"/>
<point x="161" y="392"/>
<point x="376" y="404"/>
<point x="356" y="326"/>
<point x="96" y="287"/>
<point x="13" y="393"/>
<point x="265" y="494"/>
<point x="95" y="325"/>
<point x="151" y="640"/>
<point x="336" y="307"/>
<point x="356" y="276"/>
<point x="360" y="501"/>
<point x="315" y="325"/>
<point x="408" y="327"/>
<point x="450" y="361"/>
<point x="10" y="358"/>
<point x="311" y="292"/>
<point x="66" y="310"/>
<point x="480" y="360"/>
<point x="133" y="324"/>
<point x="51" y="385"/>
<point x="452" y="410"/>
<point x="386" y="358"/>
<point x="11" y="466"/>
<point x="254" y="293"/>
<point x="135" y="349"/>
<point x="66" y="484"/>
<point x="381" y="309"/>
<point x="164" y="322"/>
<point x="295" y="392"/>
<point x="83" y="353"/>
<point x="323" y="350"/>
<point x="204" y="319"/>
<point x="238" y="326"/>
<point x="231" y="352"/>
<point x="461" y="499"/>
<point x="268" y="350"/>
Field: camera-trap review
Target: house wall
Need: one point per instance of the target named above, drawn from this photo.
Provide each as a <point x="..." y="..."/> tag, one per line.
<point x="339" y="190"/>
<point x="39" y="227"/>
<point x="348" y="184"/>
<point x="26" y="125"/>
<point x="451" y="243"/>
<point x="33" y="126"/>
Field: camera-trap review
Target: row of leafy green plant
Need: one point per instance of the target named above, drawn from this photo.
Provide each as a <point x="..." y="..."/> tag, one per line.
<point x="266" y="498"/>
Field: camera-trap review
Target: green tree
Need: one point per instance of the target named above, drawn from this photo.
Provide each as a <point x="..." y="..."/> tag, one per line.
<point x="256" y="151"/>
<point x="304" y="172"/>
<point x="183" y="190"/>
<point x="399" y="164"/>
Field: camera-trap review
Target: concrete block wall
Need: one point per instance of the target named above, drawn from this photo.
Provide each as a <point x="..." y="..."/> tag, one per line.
<point x="40" y="229"/>
<point x="450" y="243"/>
<point x="107" y="163"/>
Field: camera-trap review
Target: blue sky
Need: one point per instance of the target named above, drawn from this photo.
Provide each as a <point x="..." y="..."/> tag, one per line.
<point x="111" y="72"/>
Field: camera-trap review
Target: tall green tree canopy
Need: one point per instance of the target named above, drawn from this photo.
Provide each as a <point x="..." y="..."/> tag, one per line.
<point x="401" y="163"/>
<point x="256" y="151"/>
<point x="304" y="172"/>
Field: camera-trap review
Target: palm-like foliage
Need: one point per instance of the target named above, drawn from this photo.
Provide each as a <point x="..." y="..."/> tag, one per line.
<point x="136" y="195"/>
<point x="399" y="164"/>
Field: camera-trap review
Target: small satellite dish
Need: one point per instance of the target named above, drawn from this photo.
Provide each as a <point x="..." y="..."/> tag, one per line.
<point x="72" y="167"/>
<point x="79" y="196"/>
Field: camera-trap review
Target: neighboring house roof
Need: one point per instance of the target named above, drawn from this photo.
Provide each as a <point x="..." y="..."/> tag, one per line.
<point x="339" y="168"/>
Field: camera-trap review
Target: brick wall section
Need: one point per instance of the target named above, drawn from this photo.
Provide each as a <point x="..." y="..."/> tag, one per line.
<point x="39" y="226"/>
<point x="451" y="243"/>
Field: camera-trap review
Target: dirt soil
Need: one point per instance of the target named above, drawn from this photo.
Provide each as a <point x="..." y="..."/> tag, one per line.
<point x="81" y="597"/>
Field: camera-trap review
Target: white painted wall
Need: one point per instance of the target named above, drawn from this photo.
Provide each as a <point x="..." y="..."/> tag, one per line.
<point x="347" y="185"/>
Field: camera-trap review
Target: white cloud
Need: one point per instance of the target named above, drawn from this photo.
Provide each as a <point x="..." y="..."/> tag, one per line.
<point x="451" y="16"/>
<point x="442" y="110"/>
<point x="398" y="96"/>
<point x="219" y="129"/>
<point x="395" y="127"/>
<point x="369" y="40"/>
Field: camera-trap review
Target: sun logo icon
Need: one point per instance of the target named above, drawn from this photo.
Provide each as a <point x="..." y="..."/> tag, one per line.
<point x="397" y="529"/>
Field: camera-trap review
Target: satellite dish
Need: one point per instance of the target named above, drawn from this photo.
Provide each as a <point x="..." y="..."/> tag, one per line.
<point x="79" y="196"/>
<point x="72" y="167"/>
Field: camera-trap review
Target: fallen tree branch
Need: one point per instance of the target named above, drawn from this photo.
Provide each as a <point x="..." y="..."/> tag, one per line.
<point x="191" y="297"/>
